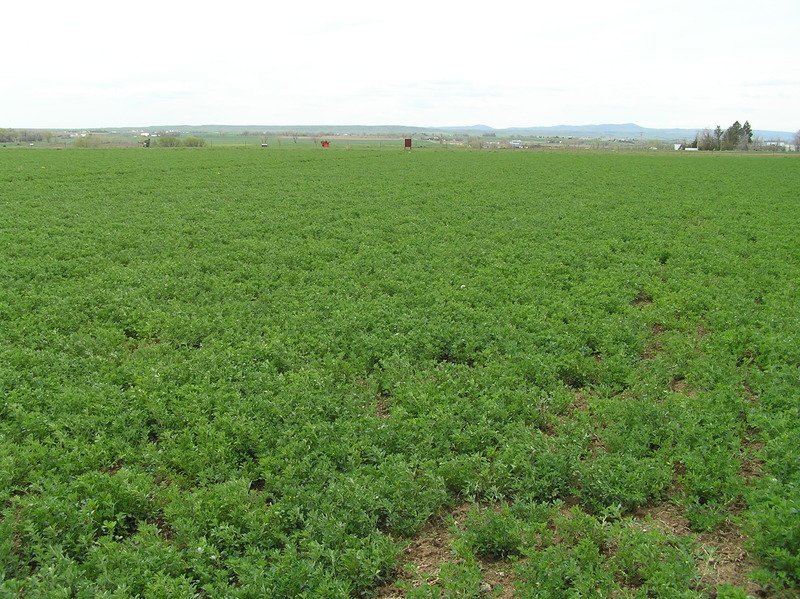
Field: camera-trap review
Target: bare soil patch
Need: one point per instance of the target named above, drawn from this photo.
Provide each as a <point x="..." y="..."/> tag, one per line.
<point x="380" y="406"/>
<point x="580" y="404"/>
<point x="383" y="407"/>
<point x="654" y="345"/>
<point x="425" y="553"/>
<point x="680" y="385"/>
<point x="725" y="559"/>
<point x="643" y="299"/>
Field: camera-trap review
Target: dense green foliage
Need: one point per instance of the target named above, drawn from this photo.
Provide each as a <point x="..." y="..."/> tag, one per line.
<point x="170" y="141"/>
<point x="254" y="374"/>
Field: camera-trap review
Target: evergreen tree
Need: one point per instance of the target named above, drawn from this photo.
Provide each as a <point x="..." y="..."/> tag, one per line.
<point x="747" y="134"/>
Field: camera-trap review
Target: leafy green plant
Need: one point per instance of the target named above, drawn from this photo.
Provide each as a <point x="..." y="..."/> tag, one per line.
<point x="224" y="375"/>
<point x="493" y="533"/>
<point x="590" y="557"/>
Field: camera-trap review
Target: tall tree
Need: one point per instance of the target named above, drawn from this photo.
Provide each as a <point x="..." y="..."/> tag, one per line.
<point x="705" y="140"/>
<point x="718" y="137"/>
<point x="732" y="136"/>
<point x="747" y="134"/>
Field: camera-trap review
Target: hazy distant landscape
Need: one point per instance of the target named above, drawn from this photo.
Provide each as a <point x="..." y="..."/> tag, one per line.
<point x="629" y="130"/>
<point x="608" y="137"/>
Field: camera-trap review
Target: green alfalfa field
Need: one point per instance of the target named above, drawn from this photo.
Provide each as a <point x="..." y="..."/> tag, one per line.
<point x="378" y="373"/>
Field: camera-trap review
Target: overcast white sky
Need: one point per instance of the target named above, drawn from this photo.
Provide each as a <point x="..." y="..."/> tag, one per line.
<point x="662" y="63"/>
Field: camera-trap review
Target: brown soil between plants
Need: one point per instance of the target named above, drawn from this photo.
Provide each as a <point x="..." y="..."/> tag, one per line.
<point x="681" y="386"/>
<point x="724" y="558"/>
<point x="424" y="555"/>
<point x="642" y="299"/>
<point x="725" y="561"/>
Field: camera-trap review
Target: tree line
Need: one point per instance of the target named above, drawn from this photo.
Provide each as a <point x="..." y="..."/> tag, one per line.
<point x="171" y="141"/>
<point x="24" y="135"/>
<point x="735" y="137"/>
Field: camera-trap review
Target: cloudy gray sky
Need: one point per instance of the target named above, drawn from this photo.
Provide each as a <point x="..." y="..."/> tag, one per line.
<point x="675" y="63"/>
